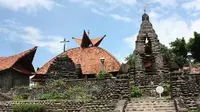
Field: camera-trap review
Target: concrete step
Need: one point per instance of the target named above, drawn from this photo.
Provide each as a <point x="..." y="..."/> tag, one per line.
<point x="150" y="104"/>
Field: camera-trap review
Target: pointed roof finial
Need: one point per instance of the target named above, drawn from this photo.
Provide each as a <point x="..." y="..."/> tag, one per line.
<point x="145" y="7"/>
<point x="87" y="42"/>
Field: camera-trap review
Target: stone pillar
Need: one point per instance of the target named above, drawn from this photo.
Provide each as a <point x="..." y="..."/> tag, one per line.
<point x="102" y="59"/>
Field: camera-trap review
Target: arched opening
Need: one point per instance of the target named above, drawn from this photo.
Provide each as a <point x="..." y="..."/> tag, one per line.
<point x="148" y="46"/>
<point x="148" y="59"/>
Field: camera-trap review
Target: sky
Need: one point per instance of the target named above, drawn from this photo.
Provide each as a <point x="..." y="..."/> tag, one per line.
<point x="44" y="23"/>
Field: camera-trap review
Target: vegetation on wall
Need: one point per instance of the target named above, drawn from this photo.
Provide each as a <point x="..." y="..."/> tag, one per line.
<point x="103" y="74"/>
<point x="28" y="108"/>
<point x="194" y="111"/>
<point x="166" y="86"/>
<point x="79" y="93"/>
<point x="52" y="96"/>
<point x="23" y="90"/>
<point x="135" y="92"/>
<point x="71" y="93"/>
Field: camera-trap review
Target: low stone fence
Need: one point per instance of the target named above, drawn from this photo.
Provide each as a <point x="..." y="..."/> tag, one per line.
<point x="106" y="89"/>
<point x="65" y="106"/>
<point x="186" y="88"/>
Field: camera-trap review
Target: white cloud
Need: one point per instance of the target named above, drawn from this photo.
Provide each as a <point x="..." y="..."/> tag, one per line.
<point x="121" y="18"/>
<point x="131" y="40"/>
<point x="113" y="16"/>
<point x="165" y="3"/>
<point x="28" y="5"/>
<point x="193" y="4"/>
<point x="121" y="57"/>
<point x="171" y="28"/>
<point x="97" y="12"/>
<point x="85" y="2"/>
<point x="168" y="29"/>
<point x="126" y="2"/>
<point x="33" y="36"/>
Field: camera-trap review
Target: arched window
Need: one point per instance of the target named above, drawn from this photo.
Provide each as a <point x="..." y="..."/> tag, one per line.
<point x="148" y="47"/>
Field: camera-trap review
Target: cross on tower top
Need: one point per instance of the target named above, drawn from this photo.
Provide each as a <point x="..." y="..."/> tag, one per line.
<point x="64" y="42"/>
<point x="145" y="7"/>
<point x="89" y="33"/>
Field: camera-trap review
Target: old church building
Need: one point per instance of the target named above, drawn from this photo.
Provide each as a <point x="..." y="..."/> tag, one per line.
<point x="15" y="70"/>
<point x="88" y="57"/>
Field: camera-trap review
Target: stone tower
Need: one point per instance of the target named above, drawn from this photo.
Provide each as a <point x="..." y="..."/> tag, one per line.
<point x="149" y="62"/>
<point x="62" y="68"/>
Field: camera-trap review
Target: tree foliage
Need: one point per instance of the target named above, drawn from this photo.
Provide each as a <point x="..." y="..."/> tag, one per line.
<point x="194" y="46"/>
<point x="179" y="49"/>
<point x="131" y="59"/>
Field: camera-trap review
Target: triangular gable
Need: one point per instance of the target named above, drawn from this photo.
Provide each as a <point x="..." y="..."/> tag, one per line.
<point x="16" y="61"/>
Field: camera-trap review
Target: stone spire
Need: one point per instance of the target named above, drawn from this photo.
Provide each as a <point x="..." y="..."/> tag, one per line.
<point x="149" y="59"/>
<point x="145" y="17"/>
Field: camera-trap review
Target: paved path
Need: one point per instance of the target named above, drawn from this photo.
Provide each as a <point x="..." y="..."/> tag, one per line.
<point x="150" y="105"/>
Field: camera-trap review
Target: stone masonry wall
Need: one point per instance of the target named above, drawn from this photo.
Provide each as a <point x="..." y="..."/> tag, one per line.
<point x="66" y="106"/>
<point x="185" y="88"/>
<point x="106" y="89"/>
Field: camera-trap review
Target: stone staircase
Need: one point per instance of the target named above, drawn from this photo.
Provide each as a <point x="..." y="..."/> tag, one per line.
<point x="150" y="104"/>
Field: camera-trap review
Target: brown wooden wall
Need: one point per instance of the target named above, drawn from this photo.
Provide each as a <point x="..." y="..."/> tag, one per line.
<point x="11" y="78"/>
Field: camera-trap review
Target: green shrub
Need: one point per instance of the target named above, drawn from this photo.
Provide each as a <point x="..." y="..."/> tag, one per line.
<point x="194" y="111"/>
<point x="58" y="83"/>
<point x="78" y="93"/>
<point x="166" y="87"/>
<point x="28" y="108"/>
<point x="51" y="96"/>
<point x="21" y="97"/>
<point x="135" y="92"/>
<point x="102" y="74"/>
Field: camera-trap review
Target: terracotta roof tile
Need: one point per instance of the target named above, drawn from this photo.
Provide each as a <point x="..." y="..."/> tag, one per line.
<point x="97" y="41"/>
<point x="8" y="62"/>
<point x="89" y="59"/>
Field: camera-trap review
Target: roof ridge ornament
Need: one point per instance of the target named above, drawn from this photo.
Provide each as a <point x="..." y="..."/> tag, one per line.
<point x="87" y="42"/>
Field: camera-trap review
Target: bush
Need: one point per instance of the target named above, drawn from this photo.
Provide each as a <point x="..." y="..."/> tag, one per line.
<point x="28" y="108"/>
<point x="52" y="96"/>
<point x="194" y="111"/>
<point x="103" y="74"/>
<point x="58" y="83"/>
<point x="166" y="86"/>
<point x="78" y="93"/>
<point x="135" y="92"/>
<point x="21" y="97"/>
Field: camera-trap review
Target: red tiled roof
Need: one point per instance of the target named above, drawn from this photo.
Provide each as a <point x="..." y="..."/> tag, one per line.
<point x="194" y="69"/>
<point x="9" y="62"/>
<point x="89" y="59"/>
<point x="88" y="56"/>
